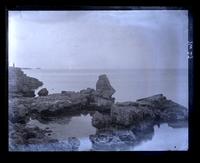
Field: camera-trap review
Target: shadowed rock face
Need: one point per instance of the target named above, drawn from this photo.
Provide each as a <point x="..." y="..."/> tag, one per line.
<point x="21" y="85"/>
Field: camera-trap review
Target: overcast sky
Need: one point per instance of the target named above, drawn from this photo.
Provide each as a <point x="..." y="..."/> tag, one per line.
<point x="99" y="39"/>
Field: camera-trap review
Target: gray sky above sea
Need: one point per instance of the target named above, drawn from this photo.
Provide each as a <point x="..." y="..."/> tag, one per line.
<point x="131" y="39"/>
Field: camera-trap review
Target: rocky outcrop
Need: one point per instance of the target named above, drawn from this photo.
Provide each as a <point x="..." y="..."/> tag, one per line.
<point x="104" y="88"/>
<point x="128" y="115"/>
<point x="21" y="85"/>
<point x="118" y="124"/>
<point x="43" y="92"/>
<point x="156" y="108"/>
<point x="59" y="103"/>
<point x="165" y="110"/>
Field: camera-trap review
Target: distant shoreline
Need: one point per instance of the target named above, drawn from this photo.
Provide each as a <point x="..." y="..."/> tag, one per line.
<point x="27" y="68"/>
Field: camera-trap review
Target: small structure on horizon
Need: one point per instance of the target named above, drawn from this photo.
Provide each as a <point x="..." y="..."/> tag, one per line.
<point x="13" y="64"/>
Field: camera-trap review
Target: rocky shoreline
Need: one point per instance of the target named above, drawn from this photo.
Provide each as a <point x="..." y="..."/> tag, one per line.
<point x="117" y="123"/>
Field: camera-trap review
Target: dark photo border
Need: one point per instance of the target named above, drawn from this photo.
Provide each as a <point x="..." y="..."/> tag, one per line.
<point x="99" y="5"/>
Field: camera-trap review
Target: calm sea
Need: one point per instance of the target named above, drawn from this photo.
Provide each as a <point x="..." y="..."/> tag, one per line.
<point x="130" y="85"/>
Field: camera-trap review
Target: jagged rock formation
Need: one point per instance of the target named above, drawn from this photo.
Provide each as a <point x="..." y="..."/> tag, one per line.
<point x="21" y="85"/>
<point x="104" y="88"/>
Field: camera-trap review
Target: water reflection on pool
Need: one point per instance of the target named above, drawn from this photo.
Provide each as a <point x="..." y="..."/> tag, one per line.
<point x="164" y="136"/>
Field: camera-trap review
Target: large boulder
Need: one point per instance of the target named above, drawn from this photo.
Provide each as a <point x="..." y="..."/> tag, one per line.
<point x="103" y="87"/>
<point x="43" y="92"/>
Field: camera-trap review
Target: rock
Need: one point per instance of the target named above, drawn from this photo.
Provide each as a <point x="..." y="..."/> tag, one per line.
<point x="175" y="113"/>
<point x="29" y="94"/>
<point x="154" y="102"/>
<point x="46" y="106"/>
<point x="104" y="88"/>
<point x="165" y="109"/>
<point x="19" y="110"/>
<point x="74" y="142"/>
<point x="23" y="138"/>
<point x="102" y="104"/>
<point x="101" y="120"/>
<point x="43" y="92"/>
<point x="21" y="134"/>
<point x="88" y="91"/>
<point x="52" y="145"/>
<point x="178" y="124"/>
<point x="68" y="93"/>
<point x="119" y="125"/>
<point x="143" y="131"/>
<point x="129" y="115"/>
<point x="112" y="140"/>
<point x="127" y="103"/>
<point x="21" y="85"/>
<point x="116" y="139"/>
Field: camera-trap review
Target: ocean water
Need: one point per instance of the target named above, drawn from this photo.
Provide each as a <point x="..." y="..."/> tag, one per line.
<point x="130" y="85"/>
